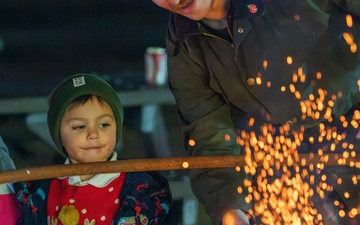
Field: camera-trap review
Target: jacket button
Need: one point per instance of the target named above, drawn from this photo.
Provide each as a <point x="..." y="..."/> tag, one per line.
<point x="240" y="30"/>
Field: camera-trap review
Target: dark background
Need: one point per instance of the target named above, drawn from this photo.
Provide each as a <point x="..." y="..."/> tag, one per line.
<point x="41" y="42"/>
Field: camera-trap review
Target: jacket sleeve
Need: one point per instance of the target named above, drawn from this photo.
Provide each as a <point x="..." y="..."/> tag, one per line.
<point x="9" y="207"/>
<point x="207" y="129"/>
<point x="6" y="163"/>
<point x="203" y="112"/>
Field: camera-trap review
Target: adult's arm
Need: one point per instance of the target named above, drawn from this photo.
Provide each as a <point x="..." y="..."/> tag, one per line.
<point x="207" y="130"/>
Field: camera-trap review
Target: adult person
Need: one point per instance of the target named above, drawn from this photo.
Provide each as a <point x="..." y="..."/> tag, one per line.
<point x="233" y="61"/>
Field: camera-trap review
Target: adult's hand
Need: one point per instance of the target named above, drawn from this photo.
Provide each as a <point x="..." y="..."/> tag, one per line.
<point x="235" y="217"/>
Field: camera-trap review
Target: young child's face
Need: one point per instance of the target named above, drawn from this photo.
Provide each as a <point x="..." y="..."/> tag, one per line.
<point x="88" y="132"/>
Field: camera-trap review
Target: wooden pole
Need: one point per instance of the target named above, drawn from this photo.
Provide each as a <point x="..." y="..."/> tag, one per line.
<point x="153" y="164"/>
<point x="129" y="165"/>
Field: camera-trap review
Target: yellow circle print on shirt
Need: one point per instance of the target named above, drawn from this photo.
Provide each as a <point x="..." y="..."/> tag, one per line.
<point x="69" y="215"/>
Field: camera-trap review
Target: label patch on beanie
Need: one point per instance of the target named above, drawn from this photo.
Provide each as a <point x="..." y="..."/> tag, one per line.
<point x="78" y="81"/>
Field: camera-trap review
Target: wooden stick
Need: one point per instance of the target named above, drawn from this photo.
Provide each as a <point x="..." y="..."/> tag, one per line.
<point x="152" y="164"/>
<point x="129" y="165"/>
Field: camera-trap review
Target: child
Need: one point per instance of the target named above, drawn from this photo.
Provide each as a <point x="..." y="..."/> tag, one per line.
<point x="85" y="122"/>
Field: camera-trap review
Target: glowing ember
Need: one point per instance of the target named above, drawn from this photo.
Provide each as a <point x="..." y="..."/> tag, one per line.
<point x="265" y="64"/>
<point x="185" y="164"/>
<point x="227" y="137"/>
<point x="289" y="60"/>
<point x="349" y="21"/>
<point x="191" y="142"/>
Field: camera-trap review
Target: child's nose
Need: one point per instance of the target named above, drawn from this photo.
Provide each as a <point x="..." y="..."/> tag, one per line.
<point x="93" y="134"/>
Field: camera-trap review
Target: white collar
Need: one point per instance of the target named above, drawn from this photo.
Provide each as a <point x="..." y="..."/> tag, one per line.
<point x="98" y="180"/>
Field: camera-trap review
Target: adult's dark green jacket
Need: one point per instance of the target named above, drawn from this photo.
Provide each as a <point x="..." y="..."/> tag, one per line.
<point x="220" y="84"/>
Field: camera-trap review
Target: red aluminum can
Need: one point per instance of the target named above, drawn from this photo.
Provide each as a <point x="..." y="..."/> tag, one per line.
<point x="156" y="66"/>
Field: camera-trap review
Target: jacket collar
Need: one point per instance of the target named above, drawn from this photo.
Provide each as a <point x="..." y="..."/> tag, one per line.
<point x="181" y="27"/>
<point x="98" y="180"/>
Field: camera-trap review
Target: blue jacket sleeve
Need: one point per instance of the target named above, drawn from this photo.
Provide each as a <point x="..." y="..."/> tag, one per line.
<point x="6" y="163"/>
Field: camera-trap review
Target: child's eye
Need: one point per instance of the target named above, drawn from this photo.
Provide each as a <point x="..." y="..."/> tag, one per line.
<point x="104" y="125"/>
<point x="80" y="127"/>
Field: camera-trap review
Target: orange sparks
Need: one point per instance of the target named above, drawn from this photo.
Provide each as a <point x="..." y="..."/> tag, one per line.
<point x="268" y="84"/>
<point x="284" y="185"/>
<point x="185" y="164"/>
<point x="353" y="47"/>
<point x="251" y="122"/>
<point x="348" y="38"/>
<point x="318" y="75"/>
<point x="258" y="80"/>
<point x="349" y="20"/>
<point x="265" y="64"/>
<point x="289" y="60"/>
<point x="191" y="142"/>
<point x="227" y="137"/>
